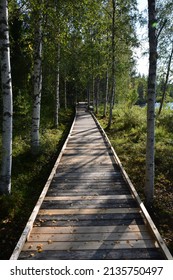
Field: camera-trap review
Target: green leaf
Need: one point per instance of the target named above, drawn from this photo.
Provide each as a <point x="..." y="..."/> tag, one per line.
<point x="154" y="25"/>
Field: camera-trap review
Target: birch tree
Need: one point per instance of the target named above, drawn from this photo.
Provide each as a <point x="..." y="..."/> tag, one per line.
<point x="165" y="45"/>
<point x="166" y="81"/>
<point x="113" y="64"/>
<point x="5" y="179"/>
<point x="150" y="164"/>
<point x="57" y="87"/>
<point x="106" y="93"/>
<point x="37" y="77"/>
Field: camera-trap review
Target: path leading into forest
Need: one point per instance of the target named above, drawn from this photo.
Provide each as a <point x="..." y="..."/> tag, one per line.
<point x="89" y="209"/>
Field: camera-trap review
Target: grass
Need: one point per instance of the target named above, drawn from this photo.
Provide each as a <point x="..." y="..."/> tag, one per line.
<point x="29" y="175"/>
<point x="128" y="137"/>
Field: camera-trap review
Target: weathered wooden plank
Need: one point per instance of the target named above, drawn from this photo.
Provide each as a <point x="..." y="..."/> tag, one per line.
<point x="76" y="191"/>
<point x="86" y="158"/>
<point x="87" y="237"/>
<point x="80" y="134"/>
<point x="80" y="153"/>
<point x="88" y="211"/>
<point x="92" y="245"/>
<point x="84" y="167"/>
<point x="93" y="190"/>
<point x="118" y="254"/>
<point x="87" y="145"/>
<point x="86" y="223"/>
<point x="117" y="203"/>
<point x="90" y="175"/>
<point x="84" y="182"/>
<point x="78" y="150"/>
<point x="88" y="197"/>
<point x="90" y="186"/>
<point x="89" y="229"/>
<point x="112" y="218"/>
<point x="85" y="139"/>
<point x="89" y="160"/>
<point x="89" y="168"/>
<point x="87" y="184"/>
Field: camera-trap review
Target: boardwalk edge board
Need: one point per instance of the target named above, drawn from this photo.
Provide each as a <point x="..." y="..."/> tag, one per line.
<point x="149" y="221"/>
<point x="29" y="225"/>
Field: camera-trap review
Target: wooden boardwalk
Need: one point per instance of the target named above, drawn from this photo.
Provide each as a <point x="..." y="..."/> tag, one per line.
<point x="89" y="208"/>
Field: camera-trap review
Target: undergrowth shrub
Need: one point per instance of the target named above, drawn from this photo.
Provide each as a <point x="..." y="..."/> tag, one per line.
<point x="134" y="117"/>
<point x="166" y="120"/>
<point x="126" y="118"/>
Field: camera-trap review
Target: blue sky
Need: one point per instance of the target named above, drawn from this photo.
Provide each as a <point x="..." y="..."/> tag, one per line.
<point x="142" y="60"/>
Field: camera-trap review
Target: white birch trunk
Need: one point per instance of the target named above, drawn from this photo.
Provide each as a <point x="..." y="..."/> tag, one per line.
<point x="106" y="93"/>
<point x="88" y="96"/>
<point x="35" y="139"/>
<point x="65" y="93"/>
<point x="166" y="81"/>
<point x="57" y="88"/>
<point x="113" y="82"/>
<point x="5" y="179"/>
<point x="93" y="91"/>
<point x="150" y="164"/>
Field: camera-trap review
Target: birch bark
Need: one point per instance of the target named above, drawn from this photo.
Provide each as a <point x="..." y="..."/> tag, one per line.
<point x="166" y="81"/>
<point x="150" y="145"/>
<point x="113" y="64"/>
<point x="65" y="92"/>
<point x="57" y="88"/>
<point x="35" y="141"/>
<point x="5" y="179"/>
<point x="106" y="93"/>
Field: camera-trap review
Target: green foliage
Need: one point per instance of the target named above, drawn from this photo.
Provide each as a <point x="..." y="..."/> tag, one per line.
<point x="132" y="97"/>
<point x="130" y="118"/>
<point x="166" y="120"/>
<point x="22" y="104"/>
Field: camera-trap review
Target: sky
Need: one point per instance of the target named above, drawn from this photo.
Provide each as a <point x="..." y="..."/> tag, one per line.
<point x="142" y="60"/>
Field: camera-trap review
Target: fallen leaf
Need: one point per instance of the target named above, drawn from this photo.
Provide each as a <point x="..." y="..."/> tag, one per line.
<point x="32" y="255"/>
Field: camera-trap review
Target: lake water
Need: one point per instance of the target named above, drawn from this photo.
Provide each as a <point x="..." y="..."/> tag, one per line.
<point x="168" y="105"/>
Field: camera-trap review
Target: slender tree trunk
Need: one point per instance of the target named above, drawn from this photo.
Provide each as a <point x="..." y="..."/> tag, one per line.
<point x="150" y="164"/>
<point x="35" y="141"/>
<point x="65" y="92"/>
<point x="97" y="94"/>
<point x="93" y="91"/>
<point x="106" y="93"/>
<point x="166" y="81"/>
<point x="5" y="178"/>
<point x="57" y="88"/>
<point x="112" y="97"/>
<point x="88" y="95"/>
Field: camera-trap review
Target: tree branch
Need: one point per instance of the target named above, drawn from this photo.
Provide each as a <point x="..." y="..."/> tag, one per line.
<point x="161" y="28"/>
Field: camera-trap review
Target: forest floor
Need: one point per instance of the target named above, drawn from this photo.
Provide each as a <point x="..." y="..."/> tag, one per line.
<point x="128" y="136"/>
<point x="29" y="175"/>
